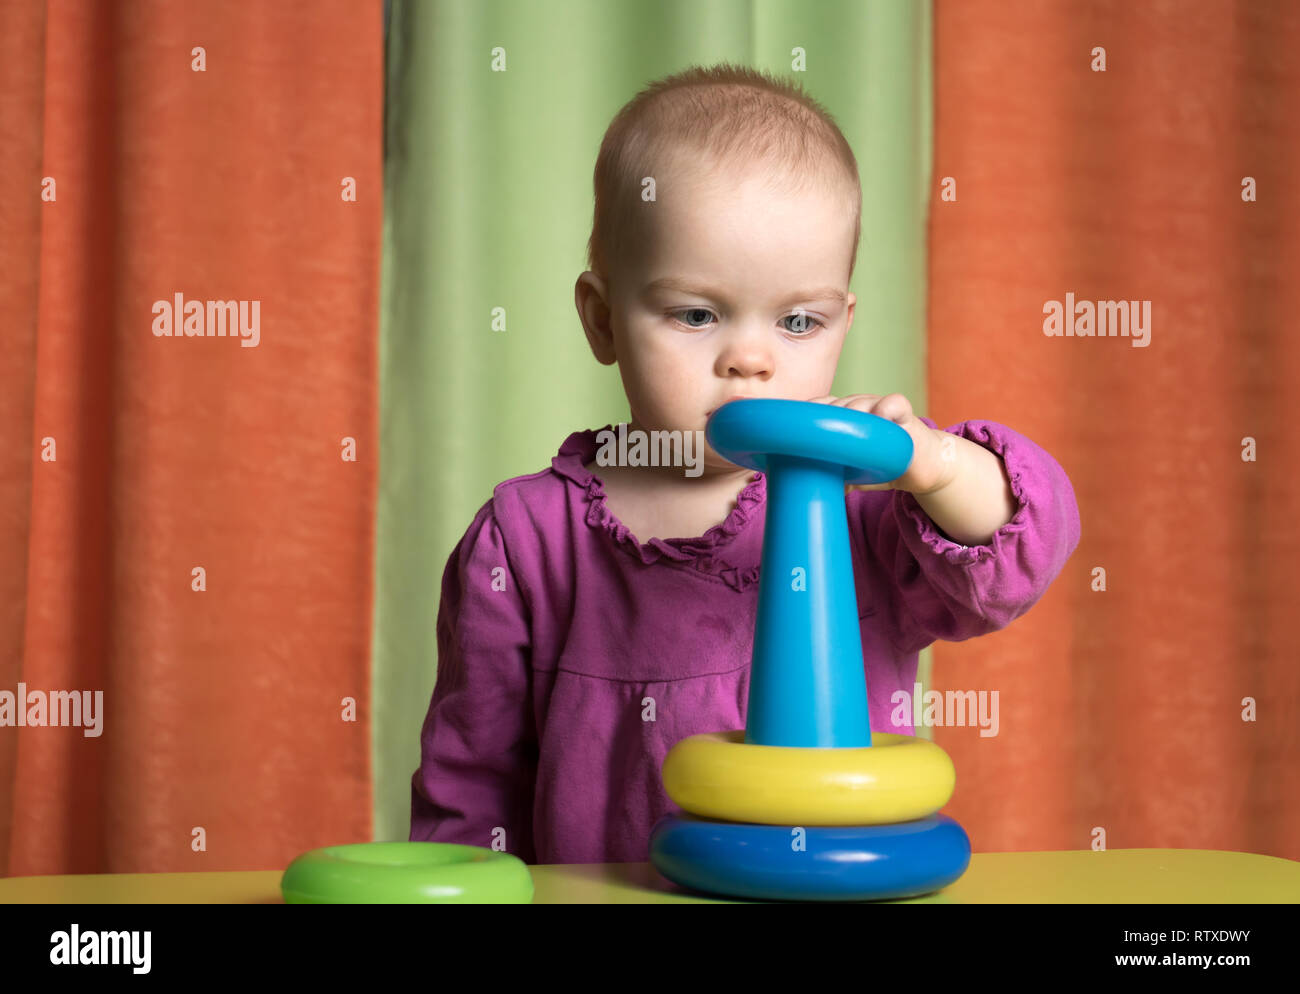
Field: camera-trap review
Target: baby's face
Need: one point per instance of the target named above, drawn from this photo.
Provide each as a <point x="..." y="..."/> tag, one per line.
<point x="738" y="291"/>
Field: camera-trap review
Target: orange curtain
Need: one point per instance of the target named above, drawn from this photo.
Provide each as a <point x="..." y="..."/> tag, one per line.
<point x="187" y="518"/>
<point x="1162" y="710"/>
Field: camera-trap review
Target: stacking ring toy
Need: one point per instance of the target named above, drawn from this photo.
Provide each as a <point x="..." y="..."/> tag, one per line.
<point x="803" y="804"/>
<point x="899" y="778"/>
<point x="868" y="863"/>
<point x="807" y="682"/>
<point x="406" y="873"/>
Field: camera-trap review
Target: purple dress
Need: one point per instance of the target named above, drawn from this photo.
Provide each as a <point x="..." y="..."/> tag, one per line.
<point x="571" y="658"/>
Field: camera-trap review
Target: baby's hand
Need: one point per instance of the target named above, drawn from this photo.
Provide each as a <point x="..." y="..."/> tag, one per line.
<point x="934" y="452"/>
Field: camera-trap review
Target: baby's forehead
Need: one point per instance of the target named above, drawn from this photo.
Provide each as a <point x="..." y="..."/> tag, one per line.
<point x="747" y="201"/>
<point x="755" y="209"/>
<point x="792" y="222"/>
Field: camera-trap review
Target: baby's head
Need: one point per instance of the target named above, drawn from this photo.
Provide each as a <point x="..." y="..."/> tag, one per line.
<point x="725" y="234"/>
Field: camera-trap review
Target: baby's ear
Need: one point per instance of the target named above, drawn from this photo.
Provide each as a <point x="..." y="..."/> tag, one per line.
<point x="590" y="296"/>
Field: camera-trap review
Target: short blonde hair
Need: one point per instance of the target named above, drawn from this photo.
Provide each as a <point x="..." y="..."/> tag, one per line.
<point x="724" y="114"/>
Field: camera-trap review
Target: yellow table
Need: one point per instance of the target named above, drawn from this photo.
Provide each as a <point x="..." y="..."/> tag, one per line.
<point x="1119" y="876"/>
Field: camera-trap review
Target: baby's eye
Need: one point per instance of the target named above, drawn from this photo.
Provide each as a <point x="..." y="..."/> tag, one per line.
<point x="802" y="323"/>
<point x="693" y="310"/>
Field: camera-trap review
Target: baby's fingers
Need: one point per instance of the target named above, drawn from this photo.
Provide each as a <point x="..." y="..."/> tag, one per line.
<point x="894" y="407"/>
<point x="865" y="402"/>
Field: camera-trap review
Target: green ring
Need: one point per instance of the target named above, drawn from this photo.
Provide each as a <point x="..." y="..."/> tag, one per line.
<point x="406" y="873"/>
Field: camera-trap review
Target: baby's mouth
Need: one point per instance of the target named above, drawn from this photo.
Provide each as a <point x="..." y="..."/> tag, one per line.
<point x="728" y="401"/>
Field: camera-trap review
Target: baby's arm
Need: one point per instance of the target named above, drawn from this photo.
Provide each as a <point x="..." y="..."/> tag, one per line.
<point x="954" y="590"/>
<point x="977" y="501"/>
<point x="478" y="745"/>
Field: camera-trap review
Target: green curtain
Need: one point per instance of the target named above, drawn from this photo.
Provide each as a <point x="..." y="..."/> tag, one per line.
<point x="488" y="205"/>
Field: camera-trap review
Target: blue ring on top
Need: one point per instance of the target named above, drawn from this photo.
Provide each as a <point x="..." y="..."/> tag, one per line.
<point x="871" y="449"/>
<point x="857" y="863"/>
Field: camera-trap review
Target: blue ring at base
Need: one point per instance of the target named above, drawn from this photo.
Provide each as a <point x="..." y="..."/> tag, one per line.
<point x="839" y="863"/>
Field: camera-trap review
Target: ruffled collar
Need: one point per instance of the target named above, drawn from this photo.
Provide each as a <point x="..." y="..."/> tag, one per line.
<point x="703" y="553"/>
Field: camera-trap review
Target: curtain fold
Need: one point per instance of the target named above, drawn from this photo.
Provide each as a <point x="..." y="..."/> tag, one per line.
<point x="186" y="529"/>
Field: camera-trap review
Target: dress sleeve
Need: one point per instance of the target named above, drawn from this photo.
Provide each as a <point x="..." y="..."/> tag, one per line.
<point x="478" y="745"/>
<point x="941" y="589"/>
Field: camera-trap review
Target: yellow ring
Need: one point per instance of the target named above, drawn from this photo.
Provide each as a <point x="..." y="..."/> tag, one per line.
<point x="896" y="778"/>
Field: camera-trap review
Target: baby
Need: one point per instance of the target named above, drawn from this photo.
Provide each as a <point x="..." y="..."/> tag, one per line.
<point x="593" y="616"/>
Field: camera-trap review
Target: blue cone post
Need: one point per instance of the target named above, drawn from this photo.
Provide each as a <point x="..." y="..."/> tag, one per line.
<point x="807" y="682"/>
